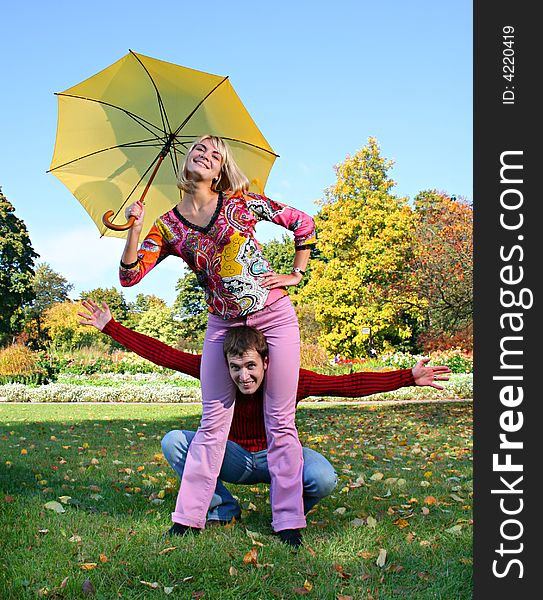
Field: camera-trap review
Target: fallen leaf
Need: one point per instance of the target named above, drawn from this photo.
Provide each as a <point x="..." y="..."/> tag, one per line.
<point x="54" y="505"/>
<point x="366" y="554"/>
<point x="88" y="566"/>
<point x="251" y="556"/>
<point x="343" y="597"/>
<point x="8" y="499"/>
<point x="103" y="558"/>
<point x="166" y="550"/>
<point x="308" y="585"/>
<point x="75" y="539"/>
<point x="401" y="523"/>
<point x="377" y="476"/>
<point x="232" y="571"/>
<point x="454" y="530"/>
<point x="341" y="572"/>
<point x="341" y="510"/>
<point x="64" y="582"/>
<point x="372" y="522"/>
<point x="357" y="522"/>
<point x="24" y="451"/>
<point x="155" y="585"/>
<point x="425" y="510"/>
<point x="88" y="588"/>
<point x="430" y="500"/>
<point x="168" y="590"/>
<point x="65" y="499"/>
<point x="381" y="558"/>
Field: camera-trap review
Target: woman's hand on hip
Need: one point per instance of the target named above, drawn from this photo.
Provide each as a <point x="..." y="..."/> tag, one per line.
<point x="273" y="280"/>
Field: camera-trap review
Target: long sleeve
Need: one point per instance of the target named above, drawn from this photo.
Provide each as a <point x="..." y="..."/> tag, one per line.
<point x="152" y="251"/>
<point x="300" y="223"/>
<point x="153" y="350"/>
<point x="352" y="385"/>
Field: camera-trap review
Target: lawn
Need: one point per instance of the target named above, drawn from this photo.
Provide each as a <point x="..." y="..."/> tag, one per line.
<point x="398" y="525"/>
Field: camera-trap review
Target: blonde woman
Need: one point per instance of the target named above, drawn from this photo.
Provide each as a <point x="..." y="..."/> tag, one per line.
<point x="212" y="230"/>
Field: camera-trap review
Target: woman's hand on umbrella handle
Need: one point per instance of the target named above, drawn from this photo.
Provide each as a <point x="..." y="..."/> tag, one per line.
<point x="134" y="213"/>
<point x="106" y="221"/>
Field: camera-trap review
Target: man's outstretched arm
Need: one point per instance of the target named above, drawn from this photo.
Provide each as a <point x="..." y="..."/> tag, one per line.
<point x="143" y="345"/>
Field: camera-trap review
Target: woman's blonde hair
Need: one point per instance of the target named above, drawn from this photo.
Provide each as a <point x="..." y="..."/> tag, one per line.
<point x="231" y="178"/>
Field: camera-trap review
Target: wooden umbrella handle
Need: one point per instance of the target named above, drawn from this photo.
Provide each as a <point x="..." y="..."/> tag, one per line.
<point x="106" y="221"/>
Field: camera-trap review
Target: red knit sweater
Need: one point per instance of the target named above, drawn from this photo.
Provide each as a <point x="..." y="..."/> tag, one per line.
<point x="247" y="427"/>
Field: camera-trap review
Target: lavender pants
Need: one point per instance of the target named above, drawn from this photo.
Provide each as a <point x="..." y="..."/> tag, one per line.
<point x="279" y="324"/>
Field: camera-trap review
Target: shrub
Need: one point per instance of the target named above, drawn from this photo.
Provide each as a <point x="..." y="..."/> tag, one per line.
<point x="19" y="364"/>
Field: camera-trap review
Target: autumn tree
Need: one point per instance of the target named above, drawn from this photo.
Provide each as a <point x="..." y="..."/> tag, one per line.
<point x="49" y="287"/>
<point x="362" y="278"/>
<point x="16" y="270"/>
<point x="61" y="323"/>
<point x="443" y="265"/>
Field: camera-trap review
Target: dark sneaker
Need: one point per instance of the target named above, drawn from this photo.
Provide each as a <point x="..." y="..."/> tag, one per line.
<point x="291" y="537"/>
<point x="179" y="529"/>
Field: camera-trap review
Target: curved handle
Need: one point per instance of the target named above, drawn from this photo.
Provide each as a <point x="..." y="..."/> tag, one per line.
<point x="106" y="221"/>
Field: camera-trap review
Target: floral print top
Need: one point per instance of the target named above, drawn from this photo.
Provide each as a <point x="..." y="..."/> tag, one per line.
<point x="224" y="255"/>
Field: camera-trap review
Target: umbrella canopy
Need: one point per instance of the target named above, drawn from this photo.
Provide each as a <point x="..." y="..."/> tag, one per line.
<point x="133" y="122"/>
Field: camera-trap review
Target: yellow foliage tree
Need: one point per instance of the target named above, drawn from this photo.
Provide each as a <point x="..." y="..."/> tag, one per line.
<point x="61" y="323"/>
<point x="362" y="277"/>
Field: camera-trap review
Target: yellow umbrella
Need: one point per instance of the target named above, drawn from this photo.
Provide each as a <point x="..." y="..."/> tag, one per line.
<point x="129" y="126"/>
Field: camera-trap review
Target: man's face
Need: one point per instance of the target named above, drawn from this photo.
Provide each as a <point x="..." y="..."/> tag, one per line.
<point x="247" y="371"/>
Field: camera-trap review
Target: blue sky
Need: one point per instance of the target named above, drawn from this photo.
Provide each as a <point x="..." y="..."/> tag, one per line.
<point x="319" y="78"/>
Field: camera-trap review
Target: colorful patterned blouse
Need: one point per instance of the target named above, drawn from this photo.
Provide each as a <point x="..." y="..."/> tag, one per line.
<point x="224" y="255"/>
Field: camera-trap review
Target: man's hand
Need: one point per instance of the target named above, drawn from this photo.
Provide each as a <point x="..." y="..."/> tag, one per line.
<point x="424" y="375"/>
<point x="98" y="317"/>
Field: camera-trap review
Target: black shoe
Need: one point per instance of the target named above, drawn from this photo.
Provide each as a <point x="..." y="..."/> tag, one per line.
<point x="291" y="537"/>
<point x="179" y="529"/>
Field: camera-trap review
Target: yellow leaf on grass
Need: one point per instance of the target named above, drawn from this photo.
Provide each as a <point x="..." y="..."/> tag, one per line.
<point x="88" y="566"/>
<point x="251" y="557"/>
<point x="372" y="522"/>
<point x="103" y="558"/>
<point x="401" y="523"/>
<point x="24" y="451"/>
<point x="308" y="585"/>
<point x="377" y="476"/>
<point x="430" y="500"/>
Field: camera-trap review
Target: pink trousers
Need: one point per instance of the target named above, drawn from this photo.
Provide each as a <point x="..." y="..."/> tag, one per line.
<point x="279" y="324"/>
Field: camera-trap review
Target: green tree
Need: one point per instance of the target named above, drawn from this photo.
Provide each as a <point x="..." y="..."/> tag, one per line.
<point x="49" y="287"/>
<point x="190" y="310"/>
<point x="16" y="270"/>
<point x="443" y="264"/>
<point x="158" y="322"/>
<point x="365" y="245"/>
<point x="115" y="300"/>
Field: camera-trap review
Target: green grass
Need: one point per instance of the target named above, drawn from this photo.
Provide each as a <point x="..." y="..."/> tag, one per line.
<point x="106" y="459"/>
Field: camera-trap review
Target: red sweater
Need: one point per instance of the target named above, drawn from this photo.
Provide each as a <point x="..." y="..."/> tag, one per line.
<point x="247" y="427"/>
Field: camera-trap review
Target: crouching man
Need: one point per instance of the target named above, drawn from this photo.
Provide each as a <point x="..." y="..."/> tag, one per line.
<point x="245" y="459"/>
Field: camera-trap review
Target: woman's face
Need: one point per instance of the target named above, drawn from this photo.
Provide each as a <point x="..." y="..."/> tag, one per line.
<point x="204" y="161"/>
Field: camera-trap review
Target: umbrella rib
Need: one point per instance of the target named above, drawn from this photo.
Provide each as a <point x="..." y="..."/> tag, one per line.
<point x="249" y="144"/>
<point x="163" y="114"/>
<point x="189" y="116"/>
<point x="139" y="120"/>
<point x="138" y="144"/>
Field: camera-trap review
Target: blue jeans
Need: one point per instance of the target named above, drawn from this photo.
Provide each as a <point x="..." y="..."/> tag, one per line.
<point x="243" y="467"/>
